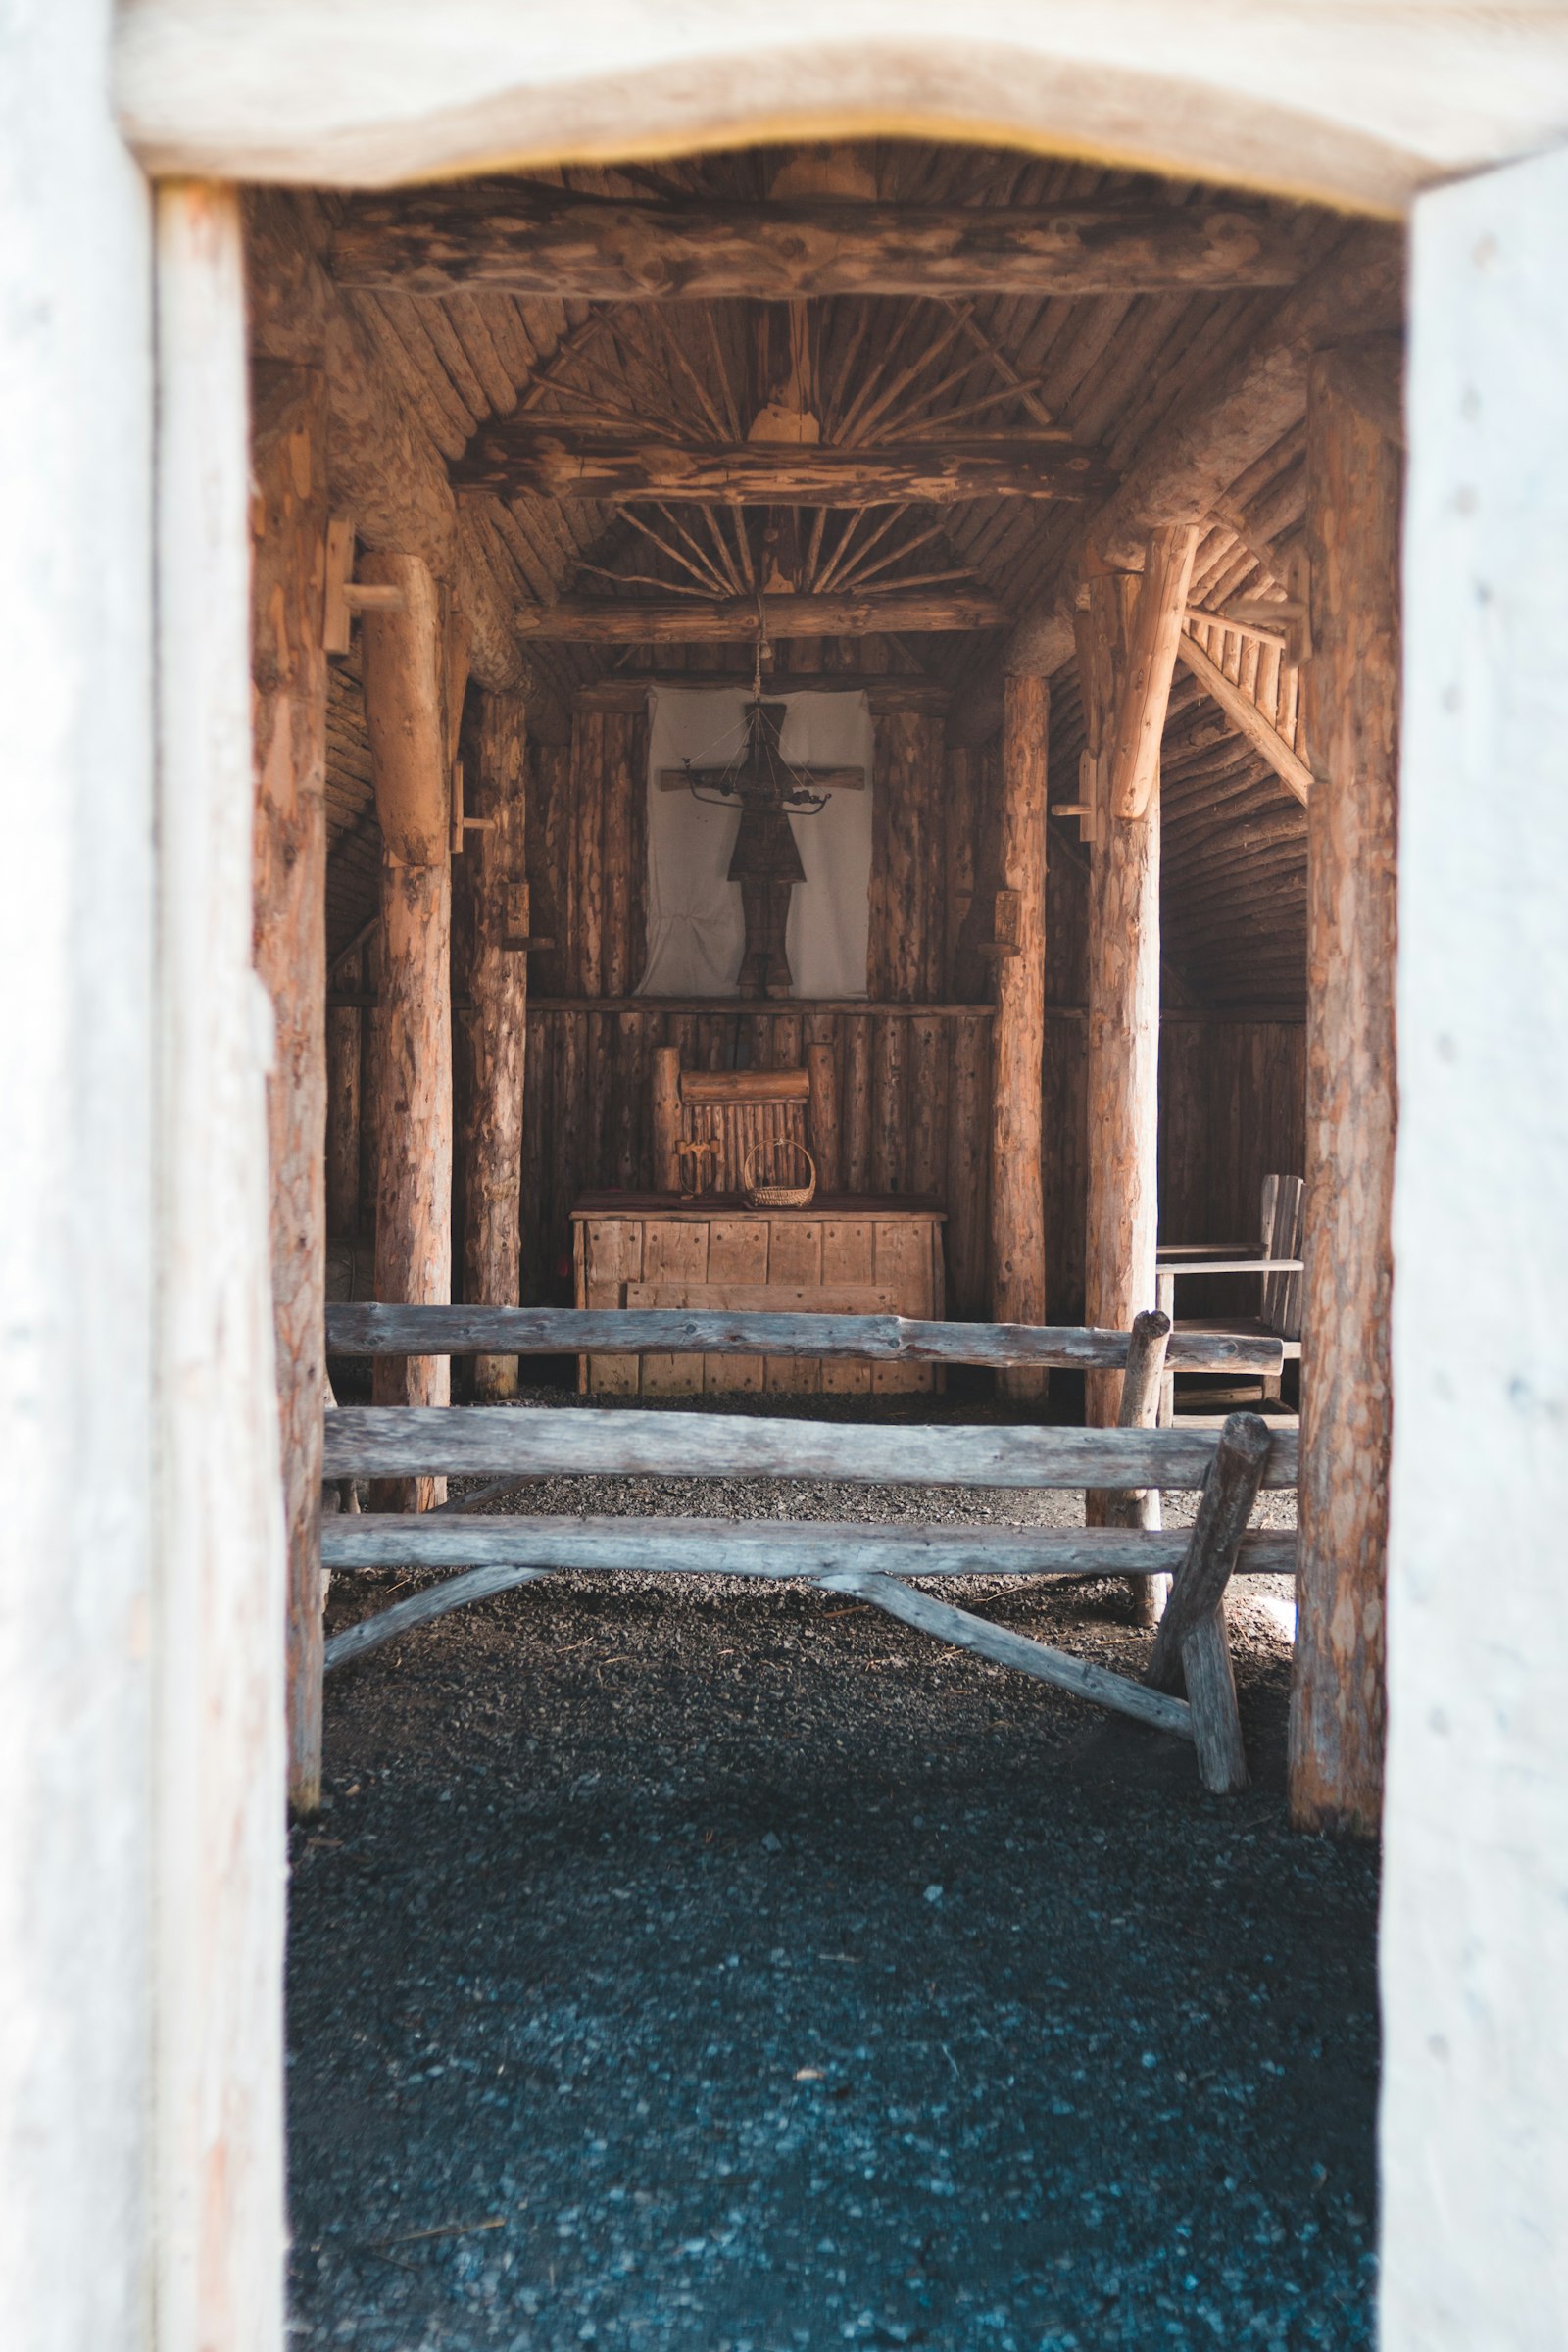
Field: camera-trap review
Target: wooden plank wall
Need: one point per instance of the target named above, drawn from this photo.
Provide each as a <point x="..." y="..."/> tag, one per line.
<point x="913" y="1110"/>
<point x="586" y="1116"/>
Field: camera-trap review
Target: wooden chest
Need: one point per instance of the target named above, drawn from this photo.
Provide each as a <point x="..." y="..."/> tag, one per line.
<point x="843" y="1255"/>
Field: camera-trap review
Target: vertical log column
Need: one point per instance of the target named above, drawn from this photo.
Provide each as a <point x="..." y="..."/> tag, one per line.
<point x="289" y="668"/>
<point x="403" y="664"/>
<point x="1017" y="1195"/>
<point x="493" y="976"/>
<point x="1352" y="715"/>
<point x="1127" y="637"/>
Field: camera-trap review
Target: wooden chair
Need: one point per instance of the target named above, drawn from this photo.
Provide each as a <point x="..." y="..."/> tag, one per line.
<point x="1276" y="1261"/>
<point x="707" y="1122"/>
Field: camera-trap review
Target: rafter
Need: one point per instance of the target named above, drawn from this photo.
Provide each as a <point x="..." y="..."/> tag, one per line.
<point x="677" y="620"/>
<point x="550" y="243"/>
<point x="513" y="454"/>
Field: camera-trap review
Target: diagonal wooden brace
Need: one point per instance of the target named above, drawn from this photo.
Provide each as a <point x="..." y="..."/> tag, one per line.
<point x="1190" y="1643"/>
<point x="1004" y="1647"/>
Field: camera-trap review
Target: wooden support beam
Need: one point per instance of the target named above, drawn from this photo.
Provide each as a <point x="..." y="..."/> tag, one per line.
<point x="999" y="1645"/>
<point x="382" y="468"/>
<point x="1142" y="1386"/>
<point x="1144" y="689"/>
<point x="403" y="671"/>
<point x="549" y="244"/>
<point x="527" y="454"/>
<point x="1205" y="445"/>
<point x="734" y="620"/>
<point x="1122" y="1040"/>
<point x="1248" y="720"/>
<point x="490" y="1033"/>
<point x="1352" y="722"/>
<point x="288" y="670"/>
<point x="1017" y="1184"/>
<point x="885" y="690"/>
<point x="403" y="664"/>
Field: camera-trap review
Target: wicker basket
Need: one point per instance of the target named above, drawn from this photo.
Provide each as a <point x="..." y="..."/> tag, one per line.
<point x="778" y="1196"/>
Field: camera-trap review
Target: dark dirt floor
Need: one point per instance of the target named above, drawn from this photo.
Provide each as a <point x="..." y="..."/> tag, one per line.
<point x="726" y="1968"/>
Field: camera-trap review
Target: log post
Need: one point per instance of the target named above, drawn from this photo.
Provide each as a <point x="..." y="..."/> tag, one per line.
<point x="1152" y="636"/>
<point x="403" y="664"/>
<point x="492" y="976"/>
<point x="1125" y="635"/>
<point x="1017" y="1193"/>
<point x="1353" y="721"/>
<point x="1138" y="1408"/>
<point x="288" y="671"/>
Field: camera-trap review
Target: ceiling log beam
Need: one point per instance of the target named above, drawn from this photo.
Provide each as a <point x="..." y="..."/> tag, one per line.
<point x="528" y="454"/>
<point x="734" y="621"/>
<point x="1202" y="447"/>
<point x="553" y="244"/>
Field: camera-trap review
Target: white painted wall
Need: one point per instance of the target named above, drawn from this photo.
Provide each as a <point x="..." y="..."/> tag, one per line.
<point x="1357" y="101"/>
<point x="1475" y="1921"/>
<point x="141" y="1614"/>
<point x="75" y="1170"/>
<point x="220" y="1611"/>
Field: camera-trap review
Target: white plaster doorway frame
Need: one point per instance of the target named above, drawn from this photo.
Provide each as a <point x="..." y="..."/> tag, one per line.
<point x="145" y="1621"/>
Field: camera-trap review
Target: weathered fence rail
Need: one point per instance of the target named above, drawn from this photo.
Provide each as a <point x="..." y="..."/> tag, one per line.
<point x="434" y="1441"/>
<point x="373" y="1329"/>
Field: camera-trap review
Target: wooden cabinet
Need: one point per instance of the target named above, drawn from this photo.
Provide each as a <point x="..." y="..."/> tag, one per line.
<point x="841" y="1256"/>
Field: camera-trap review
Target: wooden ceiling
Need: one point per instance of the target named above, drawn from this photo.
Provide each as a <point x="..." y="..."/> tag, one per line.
<point x="632" y="469"/>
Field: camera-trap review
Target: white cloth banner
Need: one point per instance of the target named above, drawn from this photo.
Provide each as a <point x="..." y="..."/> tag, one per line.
<point x="695" y="933"/>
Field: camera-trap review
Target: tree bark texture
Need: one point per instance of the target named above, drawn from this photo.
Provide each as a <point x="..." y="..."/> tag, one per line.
<point x="1123" y="992"/>
<point x="403" y="663"/>
<point x="402" y="659"/>
<point x="1352" y="718"/>
<point x="1018" y="1195"/>
<point x="413" y="1145"/>
<point x="548" y="243"/>
<point x="289" y="728"/>
<point x="908" y="910"/>
<point x="493" y="1030"/>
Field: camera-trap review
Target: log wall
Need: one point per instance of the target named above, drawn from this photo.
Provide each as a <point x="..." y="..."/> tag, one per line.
<point x="1232" y="1109"/>
<point x="587" y="835"/>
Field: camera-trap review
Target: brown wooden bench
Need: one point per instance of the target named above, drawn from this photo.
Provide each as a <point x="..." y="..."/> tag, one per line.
<point x="512" y="1445"/>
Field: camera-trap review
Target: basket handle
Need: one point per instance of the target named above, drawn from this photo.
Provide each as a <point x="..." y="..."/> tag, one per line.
<point x="793" y="1143"/>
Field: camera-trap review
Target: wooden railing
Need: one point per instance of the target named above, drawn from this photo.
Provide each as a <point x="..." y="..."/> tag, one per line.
<point x="1133" y="1461"/>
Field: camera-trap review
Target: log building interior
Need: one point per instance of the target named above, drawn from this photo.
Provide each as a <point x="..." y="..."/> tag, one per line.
<point x="1032" y="494"/>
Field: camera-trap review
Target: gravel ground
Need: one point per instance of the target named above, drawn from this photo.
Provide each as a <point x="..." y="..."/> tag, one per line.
<point x="710" y="1968"/>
